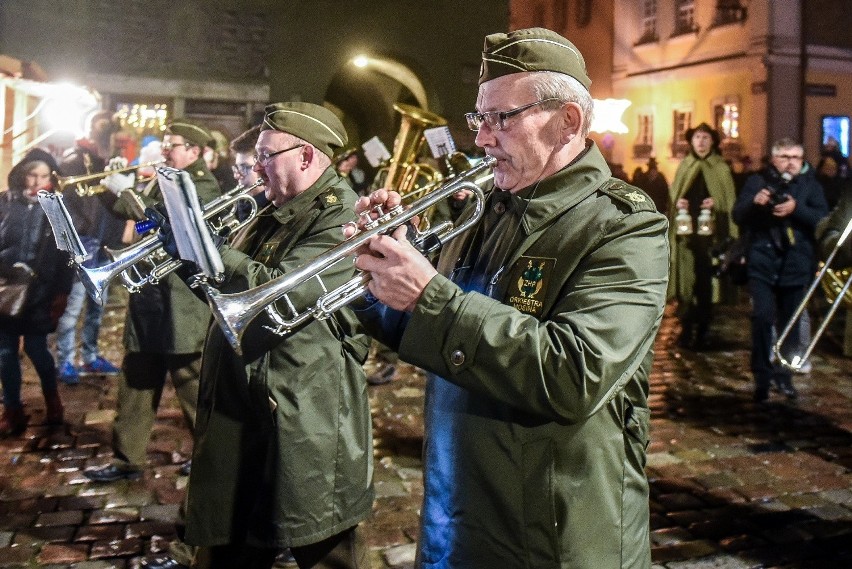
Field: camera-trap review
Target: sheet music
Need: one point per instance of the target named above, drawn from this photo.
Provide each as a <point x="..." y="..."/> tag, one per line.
<point x="193" y="240"/>
<point x="440" y="141"/>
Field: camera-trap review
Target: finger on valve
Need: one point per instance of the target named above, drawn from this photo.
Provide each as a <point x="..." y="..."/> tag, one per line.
<point x="117" y="163"/>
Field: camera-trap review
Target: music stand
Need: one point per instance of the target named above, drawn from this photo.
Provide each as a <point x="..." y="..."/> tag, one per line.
<point x="189" y="228"/>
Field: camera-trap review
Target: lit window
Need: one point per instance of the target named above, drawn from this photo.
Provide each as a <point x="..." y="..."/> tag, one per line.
<point x="682" y="119"/>
<point x="644" y="143"/>
<point x="727" y="118"/>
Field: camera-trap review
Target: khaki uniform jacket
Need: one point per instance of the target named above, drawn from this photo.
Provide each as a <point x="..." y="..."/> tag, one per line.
<point x="167" y="318"/>
<point x="283" y="441"/>
<point x="536" y="407"/>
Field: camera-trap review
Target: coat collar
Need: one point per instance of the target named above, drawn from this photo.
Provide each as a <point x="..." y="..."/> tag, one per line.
<point x="304" y="200"/>
<point x="547" y="199"/>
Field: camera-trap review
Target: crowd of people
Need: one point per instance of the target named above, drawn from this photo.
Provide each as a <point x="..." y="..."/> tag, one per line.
<point x="535" y="328"/>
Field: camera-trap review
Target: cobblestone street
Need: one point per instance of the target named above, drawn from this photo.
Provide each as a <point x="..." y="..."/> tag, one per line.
<point x="734" y="484"/>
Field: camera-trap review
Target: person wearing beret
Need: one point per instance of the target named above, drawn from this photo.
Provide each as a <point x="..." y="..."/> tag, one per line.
<point x="536" y="331"/>
<point x="703" y="181"/>
<point x="283" y="442"/>
<point x="165" y="324"/>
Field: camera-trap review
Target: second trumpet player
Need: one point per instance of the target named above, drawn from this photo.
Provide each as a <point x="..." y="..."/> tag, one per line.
<point x="165" y="324"/>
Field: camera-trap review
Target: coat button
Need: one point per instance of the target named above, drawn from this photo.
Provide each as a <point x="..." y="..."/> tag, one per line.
<point x="457" y="357"/>
<point x="499" y="208"/>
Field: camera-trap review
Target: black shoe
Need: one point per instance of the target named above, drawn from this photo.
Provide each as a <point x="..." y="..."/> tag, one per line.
<point x="185" y="468"/>
<point x="161" y="562"/>
<point x="111" y="473"/>
<point x="761" y="395"/>
<point x="384" y="374"/>
<point x="789" y="391"/>
<point x="785" y="386"/>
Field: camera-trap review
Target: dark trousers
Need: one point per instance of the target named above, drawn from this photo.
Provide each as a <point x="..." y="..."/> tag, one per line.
<point x="346" y="550"/>
<point x="698" y="311"/>
<point x="35" y="346"/>
<point x="140" y="388"/>
<point x="772" y="308"/>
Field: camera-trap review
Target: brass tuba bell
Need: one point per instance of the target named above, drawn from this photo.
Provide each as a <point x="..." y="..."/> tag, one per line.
<point x="403" y="173"/>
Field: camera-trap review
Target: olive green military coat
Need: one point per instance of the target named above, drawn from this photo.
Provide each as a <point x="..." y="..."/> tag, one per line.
<point x="167" y="318"/>
<point x="283" y="442"/>
<point x="536" y="412"/>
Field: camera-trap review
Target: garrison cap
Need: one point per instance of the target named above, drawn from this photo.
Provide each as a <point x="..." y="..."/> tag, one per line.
<point x="312" y="123"/>
<point x="191" y="132"/>
<point x="532" y="49"/>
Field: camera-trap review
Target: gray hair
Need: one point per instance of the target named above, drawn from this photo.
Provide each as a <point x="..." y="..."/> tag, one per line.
<point x="551" y="84"/>
<point x="785" y="143"/>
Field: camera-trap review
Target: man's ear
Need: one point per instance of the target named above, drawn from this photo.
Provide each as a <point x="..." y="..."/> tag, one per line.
<point x="572" y="122"/>
<point x="307" y="156"/>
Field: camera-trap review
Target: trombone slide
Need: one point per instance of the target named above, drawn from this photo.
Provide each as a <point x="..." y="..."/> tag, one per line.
<point x="796" y="362"/>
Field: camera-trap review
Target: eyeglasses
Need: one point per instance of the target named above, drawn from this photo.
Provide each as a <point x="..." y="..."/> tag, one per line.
<point x="496" y="120"/>
<point x="790" y="157"/>
<point x="241" y="169"/>
<point x="264" y="157"/>
<point x="167" y="146"/>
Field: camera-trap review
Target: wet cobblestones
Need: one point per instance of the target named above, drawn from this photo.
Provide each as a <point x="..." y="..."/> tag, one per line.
<point x="734" y="484"/>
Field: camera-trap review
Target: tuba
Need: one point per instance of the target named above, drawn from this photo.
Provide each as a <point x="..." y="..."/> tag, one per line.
<point x="403" y="173"/>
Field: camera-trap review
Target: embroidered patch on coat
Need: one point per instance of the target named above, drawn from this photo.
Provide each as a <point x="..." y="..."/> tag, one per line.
<point x="267" y="251"/>
<point x="528" y="284"/>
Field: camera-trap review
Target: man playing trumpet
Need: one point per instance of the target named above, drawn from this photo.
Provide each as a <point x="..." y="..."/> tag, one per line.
<point x="536" y="330"/>
<point x="166" y="323"/>
<point x="283" y="447"/>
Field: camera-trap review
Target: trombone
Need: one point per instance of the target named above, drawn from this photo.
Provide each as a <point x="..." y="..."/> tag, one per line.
<point x="798" y="360"/>
<point x="234" y="312"/>
<point x="150" y="249"/>
<point x="83" y="184"/>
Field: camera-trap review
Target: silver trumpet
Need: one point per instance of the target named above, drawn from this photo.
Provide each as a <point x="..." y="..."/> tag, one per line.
<point x="157" y="264"/>
<point x="234" y="312"/>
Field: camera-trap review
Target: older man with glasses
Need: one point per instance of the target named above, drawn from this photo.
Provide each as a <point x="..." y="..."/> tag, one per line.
<point x="536" y="331"/>
<point x="283" y="448"/>
<point x="779" y="208"/>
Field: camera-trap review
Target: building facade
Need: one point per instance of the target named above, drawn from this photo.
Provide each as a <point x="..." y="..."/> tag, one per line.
<point x="756" y="71"/>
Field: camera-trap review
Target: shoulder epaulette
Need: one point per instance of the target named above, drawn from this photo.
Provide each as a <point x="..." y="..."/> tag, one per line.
<point x="628" y="195"/>
<point x="329" y="198"/>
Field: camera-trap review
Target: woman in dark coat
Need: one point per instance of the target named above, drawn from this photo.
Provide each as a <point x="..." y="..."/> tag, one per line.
<point x="27" y="246"/>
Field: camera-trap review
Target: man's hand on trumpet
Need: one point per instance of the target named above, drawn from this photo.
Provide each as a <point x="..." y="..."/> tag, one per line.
<point x="115" y="182"/>
<point x="398" y="272"/>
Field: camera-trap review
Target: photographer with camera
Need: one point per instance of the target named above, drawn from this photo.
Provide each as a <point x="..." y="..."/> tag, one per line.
<point x="779" y="207"/>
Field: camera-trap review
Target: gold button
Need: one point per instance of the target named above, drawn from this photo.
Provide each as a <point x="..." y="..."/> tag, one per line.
<point x="457" y="358"/>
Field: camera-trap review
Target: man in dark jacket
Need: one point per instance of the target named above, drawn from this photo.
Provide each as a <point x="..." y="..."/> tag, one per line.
<point x="166" y="323"/>
<point x="778" y="208"/>
<point x="283" y="446"/>
<point x="537" y="331"/>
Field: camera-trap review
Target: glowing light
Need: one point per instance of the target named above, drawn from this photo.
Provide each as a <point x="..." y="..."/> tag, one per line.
<point x="66" y="108"/>
<point x="143" y="117"/>
<point x="607" y="115"/>
<point x="361" y="61"/>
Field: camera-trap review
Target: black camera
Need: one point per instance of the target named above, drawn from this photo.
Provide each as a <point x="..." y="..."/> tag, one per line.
<point x="777" y="197"/>
<point x="779" y="182"/>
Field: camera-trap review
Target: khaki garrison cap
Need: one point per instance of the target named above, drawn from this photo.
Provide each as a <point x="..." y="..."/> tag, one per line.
<point x="533" y="49"/>
<point x="191" y="132"/>
<point x="312" y="123"/>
